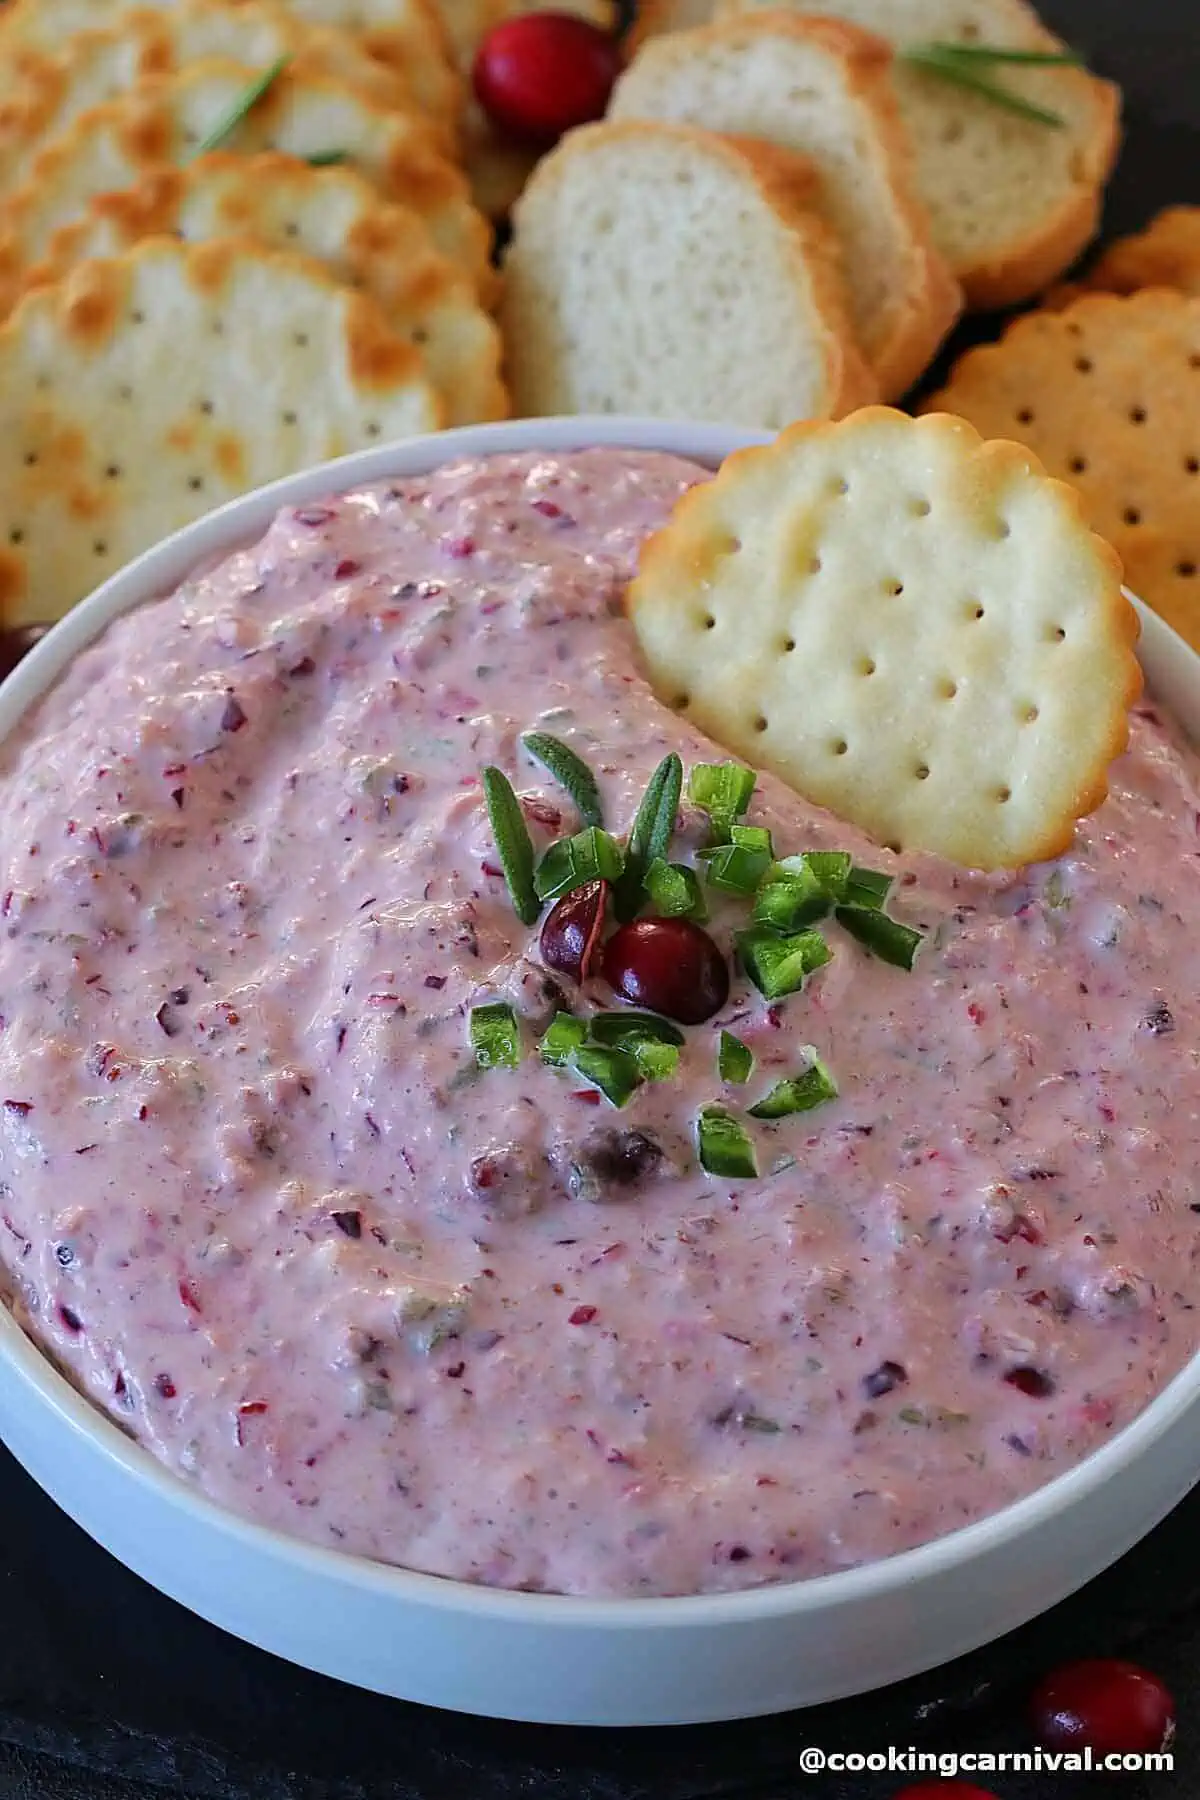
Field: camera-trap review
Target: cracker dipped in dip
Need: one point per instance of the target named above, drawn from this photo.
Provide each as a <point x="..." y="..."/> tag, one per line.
<point x="297" y="1191"/>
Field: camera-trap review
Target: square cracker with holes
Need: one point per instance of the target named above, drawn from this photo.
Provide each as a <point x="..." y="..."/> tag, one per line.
<point x="111" y="438"/>
<point x="911" y="626"/>
<point x="1107" y="394"/>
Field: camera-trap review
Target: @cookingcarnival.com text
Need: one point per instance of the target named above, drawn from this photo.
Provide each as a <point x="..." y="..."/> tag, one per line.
<point x="949" y="1763"/>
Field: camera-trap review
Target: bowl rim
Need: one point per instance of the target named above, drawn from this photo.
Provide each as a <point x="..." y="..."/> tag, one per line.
<point x="154" y="574"/>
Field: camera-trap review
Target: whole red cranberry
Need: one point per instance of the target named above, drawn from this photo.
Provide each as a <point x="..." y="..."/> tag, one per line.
<point x="669" y="966"/>
<point x="571" y="935"/>
<point x="541" y="74"/>
<point x="1105" y="1704"/>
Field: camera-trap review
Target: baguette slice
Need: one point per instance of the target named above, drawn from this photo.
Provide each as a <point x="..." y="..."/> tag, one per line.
<point x="1012" y="202"/>
<point x="663" y="270"/>
<point x="822" y="88"/>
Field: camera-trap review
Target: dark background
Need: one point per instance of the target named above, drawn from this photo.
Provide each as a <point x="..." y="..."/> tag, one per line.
<point x="109" y="1692"/>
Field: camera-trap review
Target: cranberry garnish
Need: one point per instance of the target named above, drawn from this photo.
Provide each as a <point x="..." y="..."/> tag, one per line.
<point x="669" y="966"/>
<point x="16" y="643"/>
<point x="572" y="930"/>
<point x="1104" y="1704"/>
<point x="541" y="74"/>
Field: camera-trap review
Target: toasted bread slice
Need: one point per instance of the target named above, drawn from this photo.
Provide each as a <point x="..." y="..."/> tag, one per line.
<point x="334" y="215"/>
<point x="664" y="270"/>
<point x="168" y="117"/>
<point x="823" y="88"/>
<point x="1012" y="202"/>
<point x="148" y="388"/>
<point x="406" y="36"/>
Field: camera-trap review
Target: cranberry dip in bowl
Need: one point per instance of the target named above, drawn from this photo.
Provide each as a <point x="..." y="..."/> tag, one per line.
<point x="412" y="1311"/>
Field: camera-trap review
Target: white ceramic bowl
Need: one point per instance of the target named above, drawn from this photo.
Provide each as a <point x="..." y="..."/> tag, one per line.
<point x="543" y="1657"/>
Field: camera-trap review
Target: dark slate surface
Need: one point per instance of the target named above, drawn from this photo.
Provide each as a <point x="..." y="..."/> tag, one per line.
<point x="109" y="1692"/>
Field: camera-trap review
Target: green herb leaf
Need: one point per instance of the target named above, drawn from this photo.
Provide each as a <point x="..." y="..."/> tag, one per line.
<point x="735" y="1060"/>
<point x="865" y="887"/>
<point x="996" y="53"/>
<point x="651" y="834"/>
<point x="513" y="844"/>
<point x="883" y="937"/>
<point x="778" y="965"/>
<point x="673" y="891"/>
<point x="249" y="97"/>
<point x="327" y="159"/>
<point x="563" y="1036"/>
<point x="723" y="791"/>
<point x="591" y="855"/>
<point x="626" y="1025"/>
<point x="570" y="770"/>
<point x="724" y="1145"/>
<point x="495" y="1036"/>
<point x="615" y="1072"/>
<point x="798" y="1093"/>
<point x="959" y="73"/>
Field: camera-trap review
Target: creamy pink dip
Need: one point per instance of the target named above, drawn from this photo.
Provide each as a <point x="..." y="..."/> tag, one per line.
<point x="261" y="1205"/>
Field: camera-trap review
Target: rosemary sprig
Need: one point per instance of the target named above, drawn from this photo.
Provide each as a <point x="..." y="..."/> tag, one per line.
<point x="568" y="769"/>
<point x="995" y="53"/>
<point x="249" y="97"/>
<point x="651" y="833"/>
<point x="948" y="64"/>
<point x="513" y="844"/>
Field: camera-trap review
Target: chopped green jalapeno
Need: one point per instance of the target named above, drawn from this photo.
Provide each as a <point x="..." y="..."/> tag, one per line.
<point x="724" y="1145"/>
<point x="563" y="1036"/>
<point x="778" y="965"/>
<point x="790" y="896"/>
<point x="618" y="1027"/>
<point x="495" y="1036"/>
<point x="735" y="1060"/>
<point x="798" y="1093"/>
<point x="655" y="1060"/>
<point x="865" y="887"/>
<point x="674" y="892"/>
<point x="723" y="791"/>
<point x="615" y="1072"/>
<point x="883" y="937"/>
<point x="591" y="855"/>
<point x="735" y="868"/>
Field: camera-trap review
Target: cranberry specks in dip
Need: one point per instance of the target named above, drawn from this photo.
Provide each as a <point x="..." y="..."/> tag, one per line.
<point x="375" y="1174"/>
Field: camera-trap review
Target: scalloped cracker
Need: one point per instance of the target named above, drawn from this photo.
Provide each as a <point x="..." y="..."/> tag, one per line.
<point x="1106" y="394"/>
<point x="911" y="626"/>
<point x="153" y="386"/>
